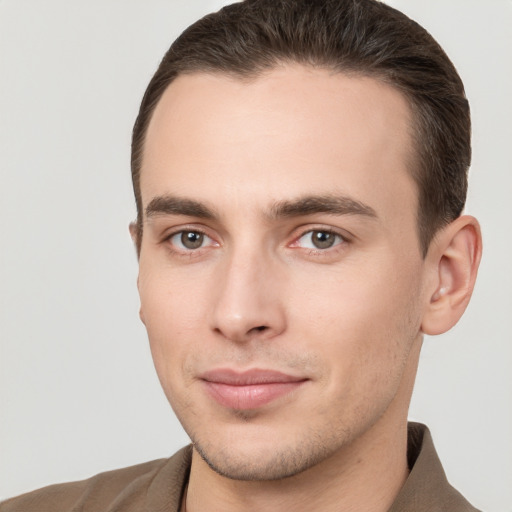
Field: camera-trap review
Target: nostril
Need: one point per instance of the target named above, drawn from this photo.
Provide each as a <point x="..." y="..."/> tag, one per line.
<point x="259" y="328"/>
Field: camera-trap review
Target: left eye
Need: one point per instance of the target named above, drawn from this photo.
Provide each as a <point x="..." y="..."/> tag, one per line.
<point x="190" y="240"/>
<point x="319" y="239"/>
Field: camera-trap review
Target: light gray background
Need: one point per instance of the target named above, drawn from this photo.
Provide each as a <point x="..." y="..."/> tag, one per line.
<point x="78" y="391"/>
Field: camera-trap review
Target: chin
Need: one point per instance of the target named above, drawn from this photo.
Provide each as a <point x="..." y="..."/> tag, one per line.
<point x="267" y="459"/>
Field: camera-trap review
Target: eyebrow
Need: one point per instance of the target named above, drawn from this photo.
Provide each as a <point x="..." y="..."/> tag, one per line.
<point x="302" y="206"/>
<point x="329" y="204"/>
<point x="171" y="205"/>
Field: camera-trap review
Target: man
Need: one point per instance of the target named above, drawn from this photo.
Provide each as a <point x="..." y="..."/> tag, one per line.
<point x="299" y="170"/>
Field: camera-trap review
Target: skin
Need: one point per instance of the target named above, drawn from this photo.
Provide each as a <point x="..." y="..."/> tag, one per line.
<point x="228" y="163"/>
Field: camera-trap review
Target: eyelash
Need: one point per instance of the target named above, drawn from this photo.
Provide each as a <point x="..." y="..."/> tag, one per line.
<point x="186" y="252"/>
<point x="341" y="241"/>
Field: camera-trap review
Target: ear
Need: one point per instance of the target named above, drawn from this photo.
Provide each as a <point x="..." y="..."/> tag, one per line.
<point x="136" y="236"/>
<point x="134" y="233"/>
<point x="454" y="257"/>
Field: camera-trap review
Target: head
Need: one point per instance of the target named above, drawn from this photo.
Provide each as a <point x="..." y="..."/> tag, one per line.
<point x="363" y="38"/>
<point x="299" y="169"/>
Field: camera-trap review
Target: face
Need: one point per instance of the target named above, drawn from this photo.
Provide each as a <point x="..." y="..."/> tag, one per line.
<point x="280" y="275"/>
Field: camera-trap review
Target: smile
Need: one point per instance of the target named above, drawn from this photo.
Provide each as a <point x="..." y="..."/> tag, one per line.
<point x="250" y="389"/>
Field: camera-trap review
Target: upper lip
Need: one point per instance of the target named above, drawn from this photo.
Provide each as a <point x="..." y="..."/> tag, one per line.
<point x="249" y="377"/>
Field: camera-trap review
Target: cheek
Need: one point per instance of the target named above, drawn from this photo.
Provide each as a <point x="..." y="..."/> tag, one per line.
<point x="363" y="321"/>
<point x="174" y="314"/>
<point x="171" y="302"/>
<point x="371" y="298"/>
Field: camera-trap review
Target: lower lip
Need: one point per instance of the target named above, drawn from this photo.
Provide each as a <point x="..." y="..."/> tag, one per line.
<point x="250" y="396"/>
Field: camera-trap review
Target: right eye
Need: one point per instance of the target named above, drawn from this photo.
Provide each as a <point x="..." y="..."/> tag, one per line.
<point x="188" y="240"/>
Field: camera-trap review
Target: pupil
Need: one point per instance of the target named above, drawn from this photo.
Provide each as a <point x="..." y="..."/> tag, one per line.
<point x="322" y="240"/>
<point x="192" y="240"/>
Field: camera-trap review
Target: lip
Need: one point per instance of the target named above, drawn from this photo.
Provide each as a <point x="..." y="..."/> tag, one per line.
<point x="249" y="389"/>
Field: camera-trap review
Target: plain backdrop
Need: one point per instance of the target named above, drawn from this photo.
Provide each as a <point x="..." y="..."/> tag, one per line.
<point x="78" y="392"/>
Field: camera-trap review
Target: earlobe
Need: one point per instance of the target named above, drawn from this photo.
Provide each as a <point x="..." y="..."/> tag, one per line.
<point x="455" y="258"/>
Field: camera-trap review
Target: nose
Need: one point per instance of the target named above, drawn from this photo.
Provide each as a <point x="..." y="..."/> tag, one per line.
<point x="249" y="300"/>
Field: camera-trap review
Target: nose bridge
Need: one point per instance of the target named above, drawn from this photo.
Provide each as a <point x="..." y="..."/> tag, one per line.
<point x="248" y="300"/>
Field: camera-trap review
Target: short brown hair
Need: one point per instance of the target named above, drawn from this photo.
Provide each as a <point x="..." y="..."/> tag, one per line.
<point x="365" y="37"/>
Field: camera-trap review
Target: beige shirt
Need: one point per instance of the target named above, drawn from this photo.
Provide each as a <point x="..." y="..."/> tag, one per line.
<point x="158" y="486"/>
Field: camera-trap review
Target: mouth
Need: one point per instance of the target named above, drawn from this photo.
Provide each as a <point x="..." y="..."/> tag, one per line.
<point x="250" y="389"/>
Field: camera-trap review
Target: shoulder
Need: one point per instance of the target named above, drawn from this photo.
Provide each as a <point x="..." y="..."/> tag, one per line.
<point x="427" y="489"/>
<point x="127" y="489"/>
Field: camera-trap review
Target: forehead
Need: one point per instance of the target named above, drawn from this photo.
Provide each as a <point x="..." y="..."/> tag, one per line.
<point x="292" y="130"/>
